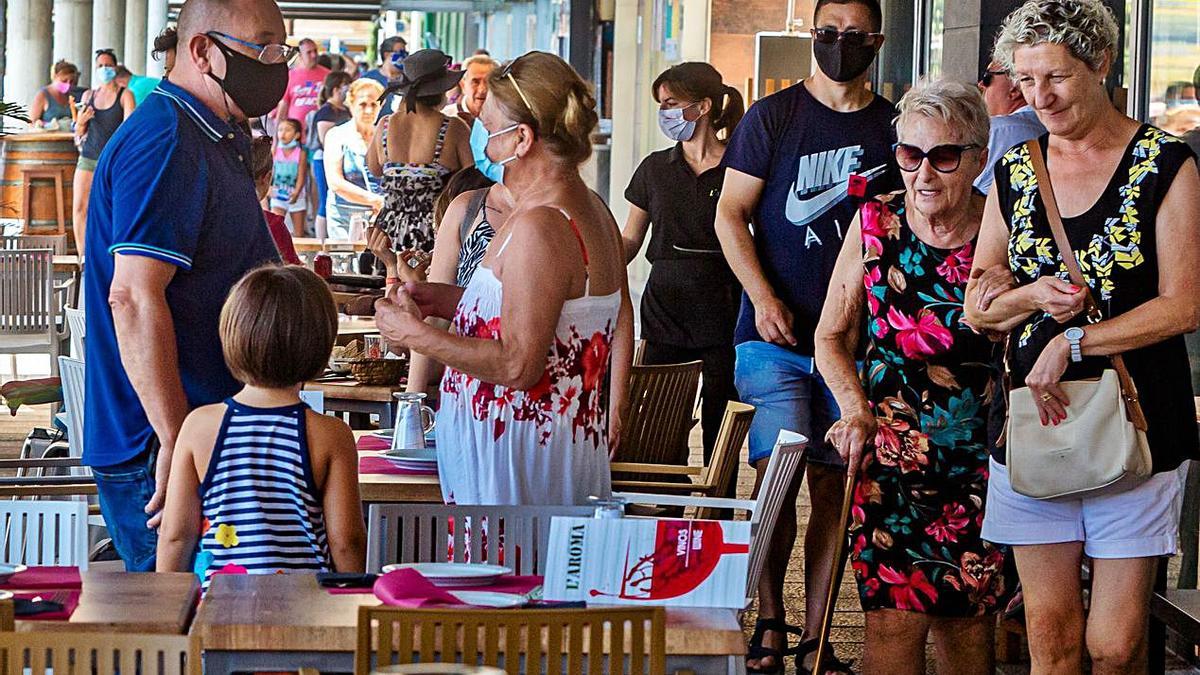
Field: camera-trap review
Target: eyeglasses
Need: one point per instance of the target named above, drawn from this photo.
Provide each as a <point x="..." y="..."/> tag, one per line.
<point x="943" y="158"/>
<point x="989" y="75"/>
<point x="507" y="72"/>
<point x="853" y="38"/>
<point x="269" y="54"/>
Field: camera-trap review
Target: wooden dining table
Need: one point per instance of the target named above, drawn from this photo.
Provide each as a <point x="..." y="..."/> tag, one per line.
<point x="313" y="245"/>
<point x="393" y="488"/>
<point x="287" y="622"/>
<point x="124" y="602"/>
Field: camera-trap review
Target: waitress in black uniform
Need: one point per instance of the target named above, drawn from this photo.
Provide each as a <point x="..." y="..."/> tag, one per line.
<point x="690" y="304"/>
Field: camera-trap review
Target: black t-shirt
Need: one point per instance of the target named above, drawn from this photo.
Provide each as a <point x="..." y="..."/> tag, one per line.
<point x="1116" y="244"/>
<point x="805" y="152"/>
<point x="691" y="299"/>
<point x="328" y="113"/>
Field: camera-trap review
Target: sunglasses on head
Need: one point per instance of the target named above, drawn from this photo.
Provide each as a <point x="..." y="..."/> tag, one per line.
<point x="853" y="38"/>
<point x="989" y="75"/>
<point x="943" y="158"/>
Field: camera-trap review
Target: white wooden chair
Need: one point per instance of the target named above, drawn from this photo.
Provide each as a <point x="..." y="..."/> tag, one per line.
<point x="62" y="653"/>
<point x="54" y="242"/>
<point x="407" y="533"/>
<point x="763" y="511"/>
<point x="77" y="327"/>
<point x="44" y="533"/>
<point x="28" y="306"/>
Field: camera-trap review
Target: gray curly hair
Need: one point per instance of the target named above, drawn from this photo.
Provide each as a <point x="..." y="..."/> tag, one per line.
<point x="958" y="105"/>
<point x="1085" y="27"/>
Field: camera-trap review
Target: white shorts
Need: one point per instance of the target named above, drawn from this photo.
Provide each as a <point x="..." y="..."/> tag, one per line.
<point x="1138" y="523"/>
<point x="301" y="204"/>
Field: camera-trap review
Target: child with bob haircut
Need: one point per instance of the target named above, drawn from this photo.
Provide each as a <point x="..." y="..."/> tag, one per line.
<point x="261" y="483"/>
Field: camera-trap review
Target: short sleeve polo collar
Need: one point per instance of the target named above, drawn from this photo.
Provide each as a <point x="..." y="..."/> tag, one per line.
<point x="209" y="123"/>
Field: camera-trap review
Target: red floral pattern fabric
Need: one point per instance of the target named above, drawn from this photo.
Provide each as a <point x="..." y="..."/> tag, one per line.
<point x="918" y="503"/>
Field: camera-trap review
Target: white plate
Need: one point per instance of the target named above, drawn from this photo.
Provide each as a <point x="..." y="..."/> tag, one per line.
<point x="425" y="455"/>
<point x="489" y="599"/>
<point x="8" y="595"/>
<point x="385" y="434"/>
<point x="455" y="574"/>
<point x="6" y="571"/>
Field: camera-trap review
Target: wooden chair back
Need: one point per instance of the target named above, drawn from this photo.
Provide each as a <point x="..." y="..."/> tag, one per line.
<point x="552" y="641"/>
<point x="718" y="476"/>
<point x="44" y="533"/>
<point x="515" y="536"/>
<point x="77" y="325"/>
<point x="8" y="620"/>
<point x="27" y="292"/>
<point x="63" y="653"/>
<point x="70" y="371"/>
<point x="54" y="242"/>
<point x="661" y="400"/>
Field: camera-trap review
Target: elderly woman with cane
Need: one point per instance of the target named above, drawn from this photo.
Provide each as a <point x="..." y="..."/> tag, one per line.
<point x="914" y="416"/>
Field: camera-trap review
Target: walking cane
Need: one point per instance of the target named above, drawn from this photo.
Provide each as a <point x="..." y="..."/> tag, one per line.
<point x="835" y="579"/>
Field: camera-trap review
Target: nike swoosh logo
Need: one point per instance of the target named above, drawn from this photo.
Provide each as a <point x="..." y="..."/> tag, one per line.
<point x="804" y="211"/>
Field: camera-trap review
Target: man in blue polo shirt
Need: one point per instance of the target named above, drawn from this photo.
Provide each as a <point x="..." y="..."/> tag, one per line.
<point x="173" y="223"/>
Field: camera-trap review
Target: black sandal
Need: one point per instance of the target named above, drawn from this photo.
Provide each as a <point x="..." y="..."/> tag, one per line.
<point x="757" y="651"/>
<point x="832" y="663"/>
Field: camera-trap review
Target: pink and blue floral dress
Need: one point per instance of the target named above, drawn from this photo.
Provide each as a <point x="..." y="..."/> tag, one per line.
<point x="919" y="499"/>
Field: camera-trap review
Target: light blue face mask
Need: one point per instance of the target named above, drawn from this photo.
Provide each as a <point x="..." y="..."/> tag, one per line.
<point x="289" y="145"/>
<point x="479" y="142"/>
<point x="104" y="74"/>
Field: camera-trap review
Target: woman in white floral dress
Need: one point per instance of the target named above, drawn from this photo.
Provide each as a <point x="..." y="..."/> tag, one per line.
<point x="523" y="418"/>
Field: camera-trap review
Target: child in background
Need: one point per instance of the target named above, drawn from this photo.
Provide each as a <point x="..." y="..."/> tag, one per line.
<point x="291" y="174"/>
<point x="260" y="482"/>
<point x="262" y="163"/>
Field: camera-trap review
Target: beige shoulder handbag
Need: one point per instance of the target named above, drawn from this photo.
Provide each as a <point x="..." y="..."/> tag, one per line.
<point x="1102" y="442"/>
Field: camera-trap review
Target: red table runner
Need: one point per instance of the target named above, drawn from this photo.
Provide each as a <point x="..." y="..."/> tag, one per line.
<point x="38" y="578"/>
<point x="68" y="598"/>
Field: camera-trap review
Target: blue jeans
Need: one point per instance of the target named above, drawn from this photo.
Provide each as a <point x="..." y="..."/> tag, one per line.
<point x="787" y="393"/>
<point x="124" y="491"/>
<point x="318" y="172"/>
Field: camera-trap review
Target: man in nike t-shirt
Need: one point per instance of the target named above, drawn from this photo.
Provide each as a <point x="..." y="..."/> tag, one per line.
<point x="787" y="169"/>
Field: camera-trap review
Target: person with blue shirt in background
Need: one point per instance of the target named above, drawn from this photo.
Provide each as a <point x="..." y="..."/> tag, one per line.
<point x="1013" y="120"/>
<point x="787" y="170"/>
<point x="173" y="224"/>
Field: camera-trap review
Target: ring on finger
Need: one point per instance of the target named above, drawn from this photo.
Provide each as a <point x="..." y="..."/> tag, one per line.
<point x="1047" y="397"/>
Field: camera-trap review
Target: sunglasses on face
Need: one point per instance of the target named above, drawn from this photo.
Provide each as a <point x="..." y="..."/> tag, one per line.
<point x="989" y="75"/>
<point x="943" y="158"/>
<point x="852" y="38"/>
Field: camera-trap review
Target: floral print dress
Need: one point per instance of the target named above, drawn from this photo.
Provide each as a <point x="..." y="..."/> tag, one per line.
<point x="919" y="499"/>
<point x="547" y="445"/>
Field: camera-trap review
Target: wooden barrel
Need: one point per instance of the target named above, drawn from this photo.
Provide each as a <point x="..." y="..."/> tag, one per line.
<point x="44" y="150"/>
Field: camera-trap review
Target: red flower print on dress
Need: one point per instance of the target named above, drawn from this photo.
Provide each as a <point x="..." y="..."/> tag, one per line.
<point x="952" y="523"/>
<point x="906" y="590"/>
<point x="956" y="268"/>
<point x="921" y="337"/>
<point x="878" y="222"/>
<point x="871" y="279"/>
<point x="898" y="444"/>
<point x="595" y="360"/>
<point x="983" y="578"/>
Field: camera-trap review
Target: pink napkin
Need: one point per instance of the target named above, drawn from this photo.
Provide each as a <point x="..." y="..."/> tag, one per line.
<point x="70" y="603"/>
<point x="407" y="588"/>
<point x="519" y="585"/>
<point x="381" y="465"/>
<point x="37" y="578"/>
<point x="373" y="443"/>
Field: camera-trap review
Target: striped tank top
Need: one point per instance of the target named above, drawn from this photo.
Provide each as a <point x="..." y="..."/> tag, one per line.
<point x="261" y="507"/>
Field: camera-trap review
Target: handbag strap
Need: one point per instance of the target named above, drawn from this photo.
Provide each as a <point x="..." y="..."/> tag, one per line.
<point x="1133" y="406"/>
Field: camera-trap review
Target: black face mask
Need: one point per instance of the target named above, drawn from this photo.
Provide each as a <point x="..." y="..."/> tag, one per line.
<point x="255" y="87"/>
<point x="842" y="62"/>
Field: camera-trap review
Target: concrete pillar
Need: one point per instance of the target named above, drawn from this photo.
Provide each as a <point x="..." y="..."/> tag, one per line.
<point x="27" y="49"/>
<point x="108" y="28"/>
<point x="73" y="32"/>
<point x="697" y="23"/>
<point x="133" y="54"/>
<point x="156" y="21"/>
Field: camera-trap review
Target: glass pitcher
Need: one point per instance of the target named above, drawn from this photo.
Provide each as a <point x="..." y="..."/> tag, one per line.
<point x="414" y="419"/>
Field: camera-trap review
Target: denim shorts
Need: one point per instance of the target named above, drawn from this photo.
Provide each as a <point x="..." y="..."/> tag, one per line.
<point x="124" y="491"/>
<point x="787" y="393"/>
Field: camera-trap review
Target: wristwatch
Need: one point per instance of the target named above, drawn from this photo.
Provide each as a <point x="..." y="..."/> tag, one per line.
<point x="1074" y="336"/>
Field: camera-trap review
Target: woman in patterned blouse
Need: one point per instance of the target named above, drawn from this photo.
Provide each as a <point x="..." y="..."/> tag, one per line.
<point x="1129" y="196"/>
